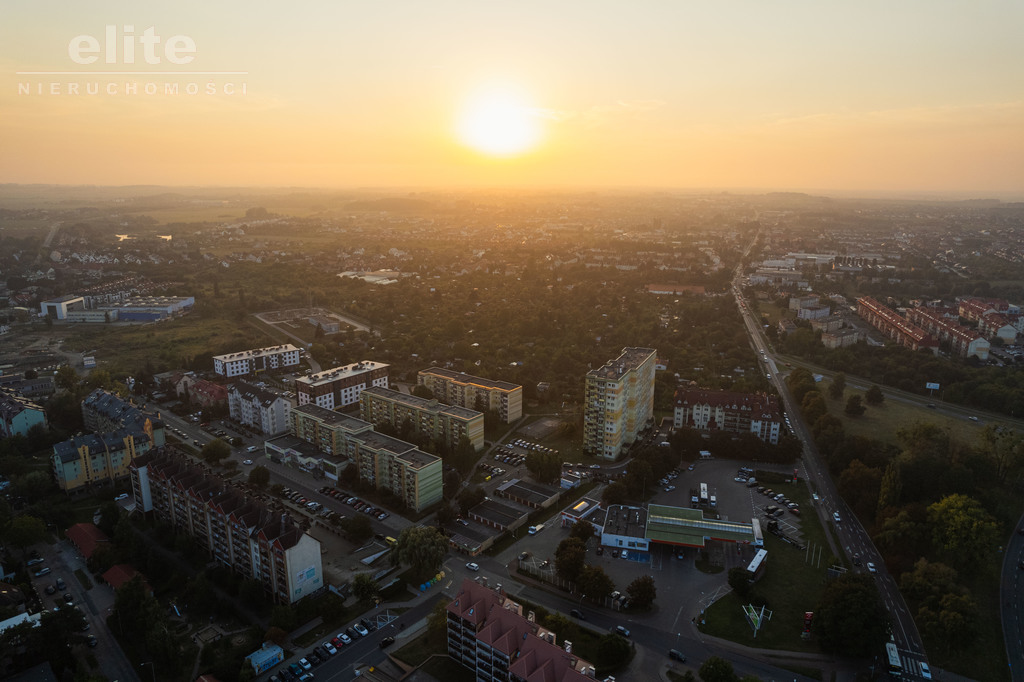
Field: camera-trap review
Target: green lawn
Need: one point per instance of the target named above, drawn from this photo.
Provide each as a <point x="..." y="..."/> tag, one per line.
<point x="790" y="586"/>
<point x="882" y="421"/>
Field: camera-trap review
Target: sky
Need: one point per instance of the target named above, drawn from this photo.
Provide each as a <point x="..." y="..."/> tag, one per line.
<point x="860" y="97"/>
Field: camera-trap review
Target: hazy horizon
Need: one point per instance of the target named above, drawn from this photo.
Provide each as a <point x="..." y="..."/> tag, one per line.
<point x="868" y="100"/>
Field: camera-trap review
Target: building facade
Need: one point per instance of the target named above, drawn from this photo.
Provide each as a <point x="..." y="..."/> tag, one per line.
<point x="256" y="360"/>
<point x="237" y="531"/>
<point x="729" y="411"/>
<point x="443" y="423"/>
<point x="619" y="402"/>
<point x="475" y="393"/>
<point x="18" y="414"/>
<point x="97" y="459"/>
<point x="962" y="341"/>
<point x="259" y="408"/>
<point x="894" y="325"/>
<point x="341" y="386"/>
<point x="489" y="634"/>
<point x="327" y="430"/>
<point x="387" y="463"/>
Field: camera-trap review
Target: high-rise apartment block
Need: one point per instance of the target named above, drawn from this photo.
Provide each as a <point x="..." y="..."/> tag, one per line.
<point x="619" y="402"/>
<point x="444" y="423"/>
<point x="341" y="386"/>
<point x="238" y="531"/>
<point x="475" y="393"/>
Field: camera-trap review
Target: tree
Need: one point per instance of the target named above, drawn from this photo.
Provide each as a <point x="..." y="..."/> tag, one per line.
<point x="545" y="467"/>
<point x="891" y="488"/>
<point x="739" y="581"/>
<point x="583" y="530"/>
<point x="612" y="651"/>
<point x="276" y="635"/>
<point x="24" y="531"/>
<point x="422" y="391"/>
<point x="854" y="407"/>
<point x="422" y="547"/>
<point x="215" y="451"/>
<point x="963" y="530"/>
<point x="813" y="406"/>
<point x="469" y="498"/>
<point x="1004" y="448"/>
<point x="642" y="592"/>
<point x="850" y="617"/>
<point x="364" y="587"/>
<point x="570" y="558"/>
<point x="874" y="395"/>
<point x="437" y="621"/>
<point x="859" y="485"/>
<point x="445" y="515"/>
<point x="594" y="582"/>
<point x="259" y="477"/>
<point x="837" y="387"/>
<point x="357" y="528"/>
<point x="66" y="377"/>
<point x="717" y="669"/>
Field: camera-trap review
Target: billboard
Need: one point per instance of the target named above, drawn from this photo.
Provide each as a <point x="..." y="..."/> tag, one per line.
<point x="931" y="386"/>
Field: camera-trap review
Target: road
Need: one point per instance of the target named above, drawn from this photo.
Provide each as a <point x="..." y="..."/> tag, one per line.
<point x="1011" y="596"/>
<point x="849" y="533"/>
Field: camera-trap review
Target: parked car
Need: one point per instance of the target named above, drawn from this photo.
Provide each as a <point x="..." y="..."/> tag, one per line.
<point x="306" y="665"/>
<point x="34" y="562"/>
<point x="343" y="636"/>
<point x="677" y="655"/>
<point x="386" y="642"/>
<point x="330" y="648"/>
<point x="45" y="570"/>
<point x="363" y="632"/>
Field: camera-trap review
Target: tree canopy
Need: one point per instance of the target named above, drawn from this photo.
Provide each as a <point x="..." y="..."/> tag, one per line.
<point x="850" y="618"/>
<point x="421" y="547"/>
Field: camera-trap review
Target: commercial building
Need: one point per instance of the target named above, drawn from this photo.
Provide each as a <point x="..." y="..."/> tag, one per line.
<point x="489" y="634"/>
<point x="327" y="430"/>
<point x="94" y="316"/>
<point x="813" y="312"/>
<point x="237" y="531"/>
<point x="91" y="459"/>
<point x="619" y="402"/>
<point x="712" y="410"/>
<point x="58" y="308"/>
<point x="256" y="360"/>
<point x="841" y="338"/>
<point x="151" y="308"/>
<point x="894" y="325"/>
<point x="476" y="393"/>
<point x="18" y="414"/>
<point x="442" y="423"/>
<point x="341" y="386"/>
<point x="259" y="408"/>
<point x="387" y="463"/>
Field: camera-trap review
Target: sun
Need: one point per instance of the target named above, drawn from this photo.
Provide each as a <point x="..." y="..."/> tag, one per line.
<point x="498" y="122"/>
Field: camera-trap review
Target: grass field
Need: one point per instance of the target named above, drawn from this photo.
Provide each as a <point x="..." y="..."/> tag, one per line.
<point x="124" y="348"/>
<point x="791" y="585"/>
<point x="881" y="422"/>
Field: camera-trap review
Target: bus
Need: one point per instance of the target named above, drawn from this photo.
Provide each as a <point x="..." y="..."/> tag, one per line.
<point x="895" y="666"/>
<point x="704" y="493"/>
<point x="758" y="535"/>
<point x="755" y="568"/>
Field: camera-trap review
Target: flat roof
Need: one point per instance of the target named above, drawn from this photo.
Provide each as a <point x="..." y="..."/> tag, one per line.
<point x="464" y="378"/>
<point x="332" y="418"/>
<point x="497" y="512"/>
<point x="257" y="352"/>
<point x="419" y="403"/>
<point x="628" y="360"/>
<point x="626" y="521"/>
<point x="536" y="494"/>
<point x="685" y="526"/>
<point x="336" y="373"/>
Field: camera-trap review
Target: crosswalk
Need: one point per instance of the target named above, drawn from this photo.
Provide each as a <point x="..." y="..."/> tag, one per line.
<point x="911" y="666"/>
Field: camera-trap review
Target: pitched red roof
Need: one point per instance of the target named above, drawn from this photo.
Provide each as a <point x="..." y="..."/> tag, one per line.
<point x="119" y="574"/>
<point x="86" y="537"/>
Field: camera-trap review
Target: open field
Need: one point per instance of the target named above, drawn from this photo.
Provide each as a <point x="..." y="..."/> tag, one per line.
<point x="881" y="422"/>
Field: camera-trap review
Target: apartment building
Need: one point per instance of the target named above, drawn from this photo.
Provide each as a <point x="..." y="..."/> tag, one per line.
<point x="256" y="360"/>
<point x="236" y="530"/>
<point x="327" y="430"/>
<point x="619" y="402"/>
<point x="259" y="408"/>
<point x="489" y="634"/>
<point x="894" y="325"/>
<point x="92" y="459"/>
<point x="475" y="393"/>
<point x="18" y="414"/>
<point x="711" y="410"/>
<point x="387" y="463"/>
<point x="103" y="411"/>
<point x="962" y="341"/>
<point x="973" y="308"/>
<point x="443" y="423"/>
<point x="341" y="386"/>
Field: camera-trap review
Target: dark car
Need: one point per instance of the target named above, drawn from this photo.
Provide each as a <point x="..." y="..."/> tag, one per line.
<point x="69" y="599"/>
<point x="61" y="584"/>
<point x="677" y="655"/>
<point x="386" y="642"/>
<point x="576" y="613"/>
<point x="50" y="589"/>
<point x="620" y="630"/>
<point x="91" y="641"/>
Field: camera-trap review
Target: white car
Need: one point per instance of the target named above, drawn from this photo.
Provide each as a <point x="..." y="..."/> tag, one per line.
<point x="835" y="517"/>
<point x="331" y="649"/>
<point x="473" y="566"/>
<point x="345" y="638"/>
<point x="363" y="632"/>
<point x="247" y="462"/>
<point x="871" y="568"/>
<point x="122" y="496"/>
<point x="306" y="665"/>
<point x="926" y="672"/>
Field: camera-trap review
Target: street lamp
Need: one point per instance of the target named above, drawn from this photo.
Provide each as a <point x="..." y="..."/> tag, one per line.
<point x="582" y="597"/>
<point x="152" y="668"/>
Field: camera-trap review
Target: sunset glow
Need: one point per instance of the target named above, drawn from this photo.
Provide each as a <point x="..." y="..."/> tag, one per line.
<point x="498" y="123"/>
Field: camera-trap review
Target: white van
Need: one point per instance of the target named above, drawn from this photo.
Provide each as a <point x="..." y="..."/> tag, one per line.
<point x="536" y="529"/>
<point x="252" y="448"/>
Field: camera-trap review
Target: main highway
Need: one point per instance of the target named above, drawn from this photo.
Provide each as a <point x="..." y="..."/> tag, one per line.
<point x="848" y="532"/>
